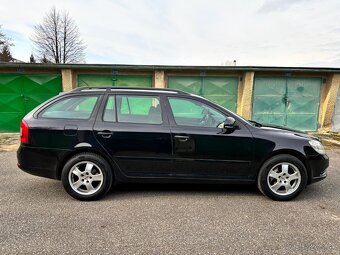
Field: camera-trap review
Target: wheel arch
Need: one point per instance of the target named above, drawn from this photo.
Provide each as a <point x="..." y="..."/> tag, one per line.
<point x="68" y="156"/>
<point x="294" y="153"/>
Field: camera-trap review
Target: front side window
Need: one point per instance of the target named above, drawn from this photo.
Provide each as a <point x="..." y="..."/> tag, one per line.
<point x="189" y="112"/>
<point x="139" y="109"/>
<point x="79" y="107"/>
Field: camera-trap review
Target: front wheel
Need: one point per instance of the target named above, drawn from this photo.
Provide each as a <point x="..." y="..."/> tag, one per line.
<point x="282" y="177"/>
<point x="87" y="176"/>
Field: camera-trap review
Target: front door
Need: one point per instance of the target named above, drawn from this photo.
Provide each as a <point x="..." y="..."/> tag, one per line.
<point x="135" y="133"/>
<point x="201" y="149"/>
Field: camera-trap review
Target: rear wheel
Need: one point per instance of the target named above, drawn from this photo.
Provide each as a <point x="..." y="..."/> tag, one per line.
<point x="87" y="176"/>
<point x="282" y="177"/>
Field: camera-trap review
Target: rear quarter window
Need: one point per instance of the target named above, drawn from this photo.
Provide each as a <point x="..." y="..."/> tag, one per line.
<point x="78" y="107"/>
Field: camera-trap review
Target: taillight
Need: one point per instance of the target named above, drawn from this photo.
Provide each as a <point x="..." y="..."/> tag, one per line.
<point x="24" y="132"/>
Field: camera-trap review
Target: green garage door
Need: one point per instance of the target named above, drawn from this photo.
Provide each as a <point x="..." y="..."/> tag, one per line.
<point x="286" y="101"/>
<point x="20" y="93"/>
<point x="221" y="90"/>
<point x="114" y="80"/>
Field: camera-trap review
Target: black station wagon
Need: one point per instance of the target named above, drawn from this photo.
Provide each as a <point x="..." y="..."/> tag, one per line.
<point x="93" y="137"/>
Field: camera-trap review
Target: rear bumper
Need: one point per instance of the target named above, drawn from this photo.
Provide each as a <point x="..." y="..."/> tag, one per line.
<point x="318" y="165"/>
<point x="39" y="161"/>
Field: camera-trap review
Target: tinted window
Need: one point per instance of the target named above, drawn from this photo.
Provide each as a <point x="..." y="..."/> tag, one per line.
<point x="189" y="112"/>
<point x="109" y="113"/>
<point x="139" y="109"/>
<point x="79" y="107"/>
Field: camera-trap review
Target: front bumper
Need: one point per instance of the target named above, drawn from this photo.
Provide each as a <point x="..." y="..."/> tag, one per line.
<point x="318" y="167"/>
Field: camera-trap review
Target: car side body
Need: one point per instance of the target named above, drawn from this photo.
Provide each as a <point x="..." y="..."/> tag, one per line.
<point x="161" y="150"/>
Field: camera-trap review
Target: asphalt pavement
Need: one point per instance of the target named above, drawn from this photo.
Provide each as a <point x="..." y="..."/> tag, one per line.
<point x="38" y="217"/>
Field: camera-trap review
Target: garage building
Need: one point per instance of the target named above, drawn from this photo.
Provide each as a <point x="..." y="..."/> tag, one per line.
<point x="298" y="98"/>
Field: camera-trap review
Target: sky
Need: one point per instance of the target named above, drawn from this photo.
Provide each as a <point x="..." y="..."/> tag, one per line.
<point x="190" y="32"/>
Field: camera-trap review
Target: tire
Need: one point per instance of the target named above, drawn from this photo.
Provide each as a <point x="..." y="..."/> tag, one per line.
<point x="87" y="176"/>
<point x="282" y="177"/>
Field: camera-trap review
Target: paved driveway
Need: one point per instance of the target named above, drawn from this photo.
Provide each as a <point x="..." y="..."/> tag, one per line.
<point x="38" y="217"/>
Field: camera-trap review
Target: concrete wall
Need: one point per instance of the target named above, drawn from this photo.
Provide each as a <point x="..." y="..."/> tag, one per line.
<point x="327" y="101"/>
<point x="336" y="115"/>
<point x="159" y="79"/>
<point x="69" y="79"/>
<point x="245" y="95"/>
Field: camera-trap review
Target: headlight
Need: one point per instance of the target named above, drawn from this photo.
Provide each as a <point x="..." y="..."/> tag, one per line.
<point x="317" y="146"/>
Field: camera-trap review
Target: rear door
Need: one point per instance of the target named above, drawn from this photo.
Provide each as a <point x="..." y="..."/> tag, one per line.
<point x="201" y="149"/>
<point x="134" y="131"/>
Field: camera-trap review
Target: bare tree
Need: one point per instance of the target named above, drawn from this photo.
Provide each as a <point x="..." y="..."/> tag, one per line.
<point x="2" y="37"/>
<point x="57" y="39"/>
<point x="4" y="40"/>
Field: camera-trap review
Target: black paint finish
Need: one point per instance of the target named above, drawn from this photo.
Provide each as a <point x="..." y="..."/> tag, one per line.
<point x="166" y="152"/>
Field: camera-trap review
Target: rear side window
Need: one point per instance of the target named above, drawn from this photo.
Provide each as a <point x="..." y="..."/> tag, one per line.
<point x="109" y="113"/>
<point x="139" y="109"/>
<point x="80" y="107"/>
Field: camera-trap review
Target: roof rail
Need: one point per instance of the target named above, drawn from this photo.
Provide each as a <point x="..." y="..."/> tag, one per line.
<point x="89" y="88"/>
<point x="109" y="88"/>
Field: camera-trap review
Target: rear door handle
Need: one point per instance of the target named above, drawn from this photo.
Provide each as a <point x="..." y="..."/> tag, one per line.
<point x="105" y="133"/>
<point x="182" y="138"/>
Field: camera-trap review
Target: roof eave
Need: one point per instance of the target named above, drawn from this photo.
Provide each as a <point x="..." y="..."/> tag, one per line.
<point x="168" y="67"/>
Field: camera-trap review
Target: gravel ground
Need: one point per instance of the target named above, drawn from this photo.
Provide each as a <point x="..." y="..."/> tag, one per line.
<point x="38" y="217"/>
<point x="9" y="141"/>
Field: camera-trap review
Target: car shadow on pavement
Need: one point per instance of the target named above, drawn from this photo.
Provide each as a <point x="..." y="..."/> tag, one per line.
<point x="37" y="187"/>
<point x="123" y="191"/>
<point x="314" y="192"/>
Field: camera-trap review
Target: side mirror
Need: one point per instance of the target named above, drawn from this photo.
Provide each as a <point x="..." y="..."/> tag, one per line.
<point x="228" y="124"/>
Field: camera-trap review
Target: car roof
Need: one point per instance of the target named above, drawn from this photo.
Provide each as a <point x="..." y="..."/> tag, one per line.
<point x="128" y="89"/>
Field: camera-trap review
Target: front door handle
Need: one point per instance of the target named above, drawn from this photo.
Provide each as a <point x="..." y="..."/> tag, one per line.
<point x="105" y="133"/>
<point x="182" y="138"/>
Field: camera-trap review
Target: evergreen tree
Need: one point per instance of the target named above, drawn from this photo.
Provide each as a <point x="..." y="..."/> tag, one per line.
<point x="44" y="60"/>
<point x="32" y="59"/>
<point x="5" y="54"/>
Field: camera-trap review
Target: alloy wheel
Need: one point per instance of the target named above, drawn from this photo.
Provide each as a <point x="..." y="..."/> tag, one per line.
<point x="284" y="178"/>
<point x="85" y="178"/>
